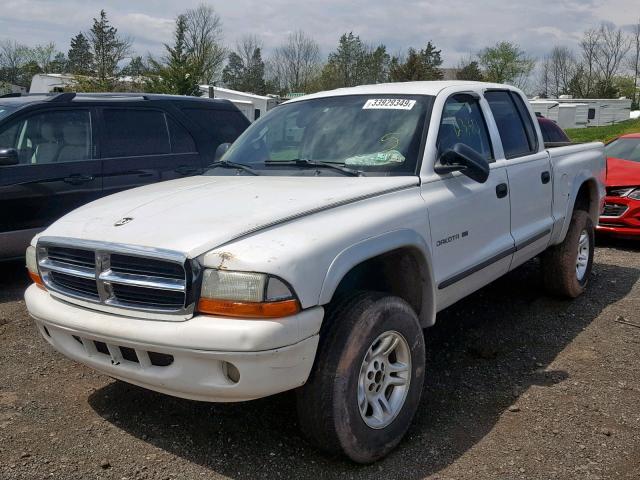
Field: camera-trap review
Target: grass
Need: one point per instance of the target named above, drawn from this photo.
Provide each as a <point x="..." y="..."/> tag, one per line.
<point x="603" y="134"/>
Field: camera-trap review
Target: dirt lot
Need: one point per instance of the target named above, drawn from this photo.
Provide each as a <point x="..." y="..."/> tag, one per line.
<point x="519" y="385"/>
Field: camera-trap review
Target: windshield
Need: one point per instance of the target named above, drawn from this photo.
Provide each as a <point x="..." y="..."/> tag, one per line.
<point x="374" y="135"/>
<point x="6" y="110"/>
<point x="624" y="148"/>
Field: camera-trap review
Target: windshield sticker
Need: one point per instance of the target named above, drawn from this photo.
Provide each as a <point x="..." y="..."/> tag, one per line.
<point x="377" y="159"/>
<point x="389" y="104"/>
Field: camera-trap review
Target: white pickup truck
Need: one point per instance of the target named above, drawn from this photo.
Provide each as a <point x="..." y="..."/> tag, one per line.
<point x="315" y="252"/>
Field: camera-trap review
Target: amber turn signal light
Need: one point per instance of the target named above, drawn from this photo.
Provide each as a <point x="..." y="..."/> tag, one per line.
<point x="229" y="308"/>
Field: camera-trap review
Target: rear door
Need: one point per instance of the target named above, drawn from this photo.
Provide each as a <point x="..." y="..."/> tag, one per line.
<point x="144" y="145"/>
<point x="57" y="171"/>
<point x="529" y="172"/>
<point x="217" y="125"/>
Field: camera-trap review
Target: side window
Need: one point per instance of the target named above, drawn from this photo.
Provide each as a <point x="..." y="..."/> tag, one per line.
<point x="525" y="116"/>
<point x="224" y="126"/>
<point x="511" y="127"/>
<point x="591" y="115"/>
<point x="462" y="122"/>
<point x="50" y="137"/>
<point x="181" y="141"/>
<point x="134" y="132"/>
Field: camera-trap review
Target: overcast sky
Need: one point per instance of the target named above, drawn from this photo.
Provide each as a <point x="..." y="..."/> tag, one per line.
<point x="458" y="27"/>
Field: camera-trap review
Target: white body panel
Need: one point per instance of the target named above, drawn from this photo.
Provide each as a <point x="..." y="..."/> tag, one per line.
<point x="310" y="232"/>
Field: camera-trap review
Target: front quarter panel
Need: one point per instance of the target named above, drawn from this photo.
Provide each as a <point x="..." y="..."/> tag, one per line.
<point x="314" y="253"/>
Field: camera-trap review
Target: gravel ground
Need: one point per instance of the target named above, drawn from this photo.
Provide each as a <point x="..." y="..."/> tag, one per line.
<point x="519" y="386"/>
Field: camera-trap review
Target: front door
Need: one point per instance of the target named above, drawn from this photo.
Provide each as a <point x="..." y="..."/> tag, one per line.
<point x="56" y="173"/>
<point x="470" y="223"/>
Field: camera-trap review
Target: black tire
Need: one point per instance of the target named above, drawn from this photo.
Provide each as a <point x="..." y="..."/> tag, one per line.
<point x="328" y="408"/>
<point x="559" y="262"/>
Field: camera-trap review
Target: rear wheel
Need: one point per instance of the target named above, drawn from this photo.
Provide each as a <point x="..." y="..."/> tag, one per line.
<point x="567" y="267"/>
<point x="367" y="380"/>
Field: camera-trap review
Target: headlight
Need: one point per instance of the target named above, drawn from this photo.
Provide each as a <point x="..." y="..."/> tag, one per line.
<point x="635" y="194"/>
<point x="628" y="192"/>
<point x="245" y="294"/>
<point x="32" y="266"/>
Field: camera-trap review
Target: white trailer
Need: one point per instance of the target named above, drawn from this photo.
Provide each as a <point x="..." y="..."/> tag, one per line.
<point x="251" y="105"/>
<point x="602" y="111"/>
<point x="50" y="82"/>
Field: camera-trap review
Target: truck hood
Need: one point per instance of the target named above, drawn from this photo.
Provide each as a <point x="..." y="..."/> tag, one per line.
<point x="196" y="214"/>
<point x="622" y="173"/>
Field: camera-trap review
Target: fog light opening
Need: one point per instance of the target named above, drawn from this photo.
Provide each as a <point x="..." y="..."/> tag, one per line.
<point x="231" y="372"/>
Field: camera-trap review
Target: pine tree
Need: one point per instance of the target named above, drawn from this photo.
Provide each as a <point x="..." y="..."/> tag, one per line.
<point x="419" y="65"/>
<point x="80" y="58"/>
<point x="246" y="75"/>
<point x="470" y="71"/>
<point x="108" y="50"/>
<point x="178" y="73"/>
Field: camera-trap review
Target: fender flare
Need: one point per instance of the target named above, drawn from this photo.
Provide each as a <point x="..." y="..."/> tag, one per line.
<point x="374" y="246"/>
<point x="583" y="177"/>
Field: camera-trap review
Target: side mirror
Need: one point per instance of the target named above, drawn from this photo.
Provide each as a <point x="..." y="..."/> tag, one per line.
<point x="464" y="159"/>
<point x="220" y="151"/>
<point x="8" y="156"/>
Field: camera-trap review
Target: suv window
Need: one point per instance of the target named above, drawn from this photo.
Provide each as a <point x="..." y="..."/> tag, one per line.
<point x="463" y="122"/>
<point x="181" y="141"/>
<point x="516" y="140"/>
<point x="223" y="125"/>
<point x="50" y="137"/>
<point x="135" y="132"/>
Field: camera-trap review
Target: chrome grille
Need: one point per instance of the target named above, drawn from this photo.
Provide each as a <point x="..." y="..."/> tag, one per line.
<point x="117" y="276"/>
<point x="613" y="210"/>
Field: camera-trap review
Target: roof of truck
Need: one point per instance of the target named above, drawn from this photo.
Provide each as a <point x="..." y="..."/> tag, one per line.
<point x="401" y="88"/>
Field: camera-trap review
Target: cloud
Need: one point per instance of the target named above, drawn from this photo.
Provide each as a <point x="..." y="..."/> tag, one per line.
<point x="458" y="28"/>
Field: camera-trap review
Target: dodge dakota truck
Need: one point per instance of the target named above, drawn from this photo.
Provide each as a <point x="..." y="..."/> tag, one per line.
<point x="316" y="250"/>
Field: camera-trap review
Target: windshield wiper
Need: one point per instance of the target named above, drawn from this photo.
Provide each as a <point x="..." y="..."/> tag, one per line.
<point x="227" y="164"/>
<point x="303" y="162"/>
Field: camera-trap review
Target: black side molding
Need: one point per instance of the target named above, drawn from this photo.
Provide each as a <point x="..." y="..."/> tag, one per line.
<point x="476" y="268"/>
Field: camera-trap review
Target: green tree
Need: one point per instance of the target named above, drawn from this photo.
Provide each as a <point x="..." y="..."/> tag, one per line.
<point x="421" y="64"/>
<point x="80" y="58"/>
<point x="470" y="71"/>
<point x="177" y="72"/>
<point x="245" y="68"/>
<point x="108" y="49"/>
<point x="59" y="64"/>
<point x="135" y="68"/>
<point x="355" y="63"/>
<point x="505" y="62"/>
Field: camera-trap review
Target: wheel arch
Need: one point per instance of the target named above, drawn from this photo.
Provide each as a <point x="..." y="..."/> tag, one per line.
<point x="585" y="195"/>
<point x="404" y="260"/>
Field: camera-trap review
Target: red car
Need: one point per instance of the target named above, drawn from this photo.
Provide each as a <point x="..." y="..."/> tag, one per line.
<point x="621" y="216"/>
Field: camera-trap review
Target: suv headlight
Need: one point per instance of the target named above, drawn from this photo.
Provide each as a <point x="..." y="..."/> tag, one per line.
<point x="628" y="192"/>
<point x="245" y="294"/>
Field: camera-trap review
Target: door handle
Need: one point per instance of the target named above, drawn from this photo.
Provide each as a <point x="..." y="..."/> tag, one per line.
<point x="186" y="170"/>
<point x="545" y="177"/>
<point x="502" y="190"/>
<point x="78" y="179"/>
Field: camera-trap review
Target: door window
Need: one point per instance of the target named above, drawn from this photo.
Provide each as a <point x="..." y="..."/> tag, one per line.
<point x="462" y="122"/>
<point x="181" y="141"/>
<point x="224" y="126"/>
<point x="515" y="134"/>
<point x="135" y="132"/>
<point x="50" y="137"/>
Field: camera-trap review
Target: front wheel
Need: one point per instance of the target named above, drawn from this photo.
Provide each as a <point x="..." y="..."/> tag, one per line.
<point x="566" y="267"/>
<point x="367" y="380"/>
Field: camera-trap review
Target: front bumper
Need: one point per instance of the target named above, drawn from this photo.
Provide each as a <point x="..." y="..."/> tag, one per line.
<point x="188" y="359"/>
<point x="626" y="224"/>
